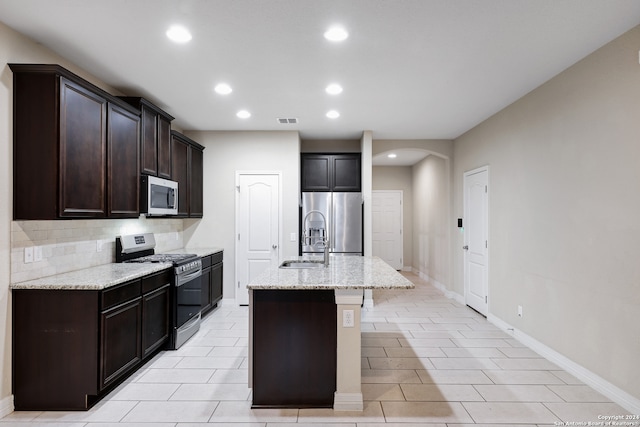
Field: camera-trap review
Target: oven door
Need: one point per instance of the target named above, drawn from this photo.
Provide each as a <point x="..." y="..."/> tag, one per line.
<point x="188" y="302"/>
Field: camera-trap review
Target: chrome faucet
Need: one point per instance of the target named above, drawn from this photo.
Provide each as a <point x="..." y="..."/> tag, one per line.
<point x="315" y="240"/>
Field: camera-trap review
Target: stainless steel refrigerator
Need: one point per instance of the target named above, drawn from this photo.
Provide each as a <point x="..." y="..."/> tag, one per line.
<point x="337" y="216"/>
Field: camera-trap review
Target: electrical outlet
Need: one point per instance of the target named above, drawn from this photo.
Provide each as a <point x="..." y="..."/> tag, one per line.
<point x="28" y="254"/>
<point x="37" y="253"/>
<point x="347" y="319"/>
<point x="519" y="311"/>
<point x="292" y="237"/>
<point x="99" y="245"/>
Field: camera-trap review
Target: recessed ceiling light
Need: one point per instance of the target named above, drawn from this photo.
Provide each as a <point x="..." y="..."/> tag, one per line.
<point x="334" y="89"/>
<point x="333" y="114"/>
<point x="223" y="89"/>
<point x="392" y="155"/>
<point x="178" y="34"/>
<point x="336" y="34"/>
<point x="243" y="114"/>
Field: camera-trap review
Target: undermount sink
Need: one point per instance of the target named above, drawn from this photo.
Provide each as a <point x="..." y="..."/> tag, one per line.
<point x="302" y="264"/>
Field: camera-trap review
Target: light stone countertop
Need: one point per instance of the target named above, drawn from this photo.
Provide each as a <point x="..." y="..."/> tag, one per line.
<point x="201" y="252"/>
<point x="94" y="278"/>
<point x="105" y="276"/>
<point x="344" y="272"/>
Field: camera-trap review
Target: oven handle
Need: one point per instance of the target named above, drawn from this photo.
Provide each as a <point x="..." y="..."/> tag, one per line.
<point x="181" y="280"/>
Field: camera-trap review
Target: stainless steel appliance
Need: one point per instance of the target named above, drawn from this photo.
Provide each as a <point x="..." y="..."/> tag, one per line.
<point x="336" y="217"/>
<point x="158" y="196"/>
<point x="186" y="289"/>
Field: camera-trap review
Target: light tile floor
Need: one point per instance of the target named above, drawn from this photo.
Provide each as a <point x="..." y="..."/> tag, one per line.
<point x="426" y="360"/>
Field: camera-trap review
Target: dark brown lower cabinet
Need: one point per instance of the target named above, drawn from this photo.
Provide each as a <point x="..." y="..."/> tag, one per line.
<point x="294" y="348"/>
<point x="71" y="347"/>
<point x="121" y="338"/>
<point x="211" y="281"/>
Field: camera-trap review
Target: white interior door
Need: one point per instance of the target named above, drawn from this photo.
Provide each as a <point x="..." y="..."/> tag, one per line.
<point x="386" y="208"/>
<point x="476" y="243"/>
<point x="257" y="228"/>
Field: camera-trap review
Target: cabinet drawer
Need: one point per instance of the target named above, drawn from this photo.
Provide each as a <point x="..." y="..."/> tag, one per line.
<point x="206" y="261"/>
<point x="158" y="280"/>
<point x="216" y="258"/>
<point x="119" y="294"/>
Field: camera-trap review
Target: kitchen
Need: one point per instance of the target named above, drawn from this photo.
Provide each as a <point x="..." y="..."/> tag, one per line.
<point x="247" y="150"/>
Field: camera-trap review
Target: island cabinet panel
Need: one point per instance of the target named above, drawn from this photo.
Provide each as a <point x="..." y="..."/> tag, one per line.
<point x="294" y="347"/>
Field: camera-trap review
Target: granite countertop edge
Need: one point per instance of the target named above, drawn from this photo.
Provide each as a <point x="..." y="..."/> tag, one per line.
<point x="342" y="273"/>
<point x="106" y="275"/>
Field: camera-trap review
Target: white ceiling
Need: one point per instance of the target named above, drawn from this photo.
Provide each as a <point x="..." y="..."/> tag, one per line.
<point x="411" y="69"/>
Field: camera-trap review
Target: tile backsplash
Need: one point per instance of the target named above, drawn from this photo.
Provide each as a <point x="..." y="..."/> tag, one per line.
<point x="45" y="248"/>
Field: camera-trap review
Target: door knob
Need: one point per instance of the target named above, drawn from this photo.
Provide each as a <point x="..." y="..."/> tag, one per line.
<point x="274" y="246"/>
<point x="465" y="247"/>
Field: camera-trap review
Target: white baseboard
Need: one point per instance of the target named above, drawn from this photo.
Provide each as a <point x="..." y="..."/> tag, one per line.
<point x="439" y="286"/>
<point x="348" y="402"/>
<point x="6" y="406"/>
<point x="599" y="384"/>
<point x="407" y="268"/>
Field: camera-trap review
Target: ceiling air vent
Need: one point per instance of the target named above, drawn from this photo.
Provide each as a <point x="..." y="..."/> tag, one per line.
<point x="285" y="121"/>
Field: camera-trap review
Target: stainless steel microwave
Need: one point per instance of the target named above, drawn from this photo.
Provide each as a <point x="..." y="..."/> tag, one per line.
<point x="158" y="197"/>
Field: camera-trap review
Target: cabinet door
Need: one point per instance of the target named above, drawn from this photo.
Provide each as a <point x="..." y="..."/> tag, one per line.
<point x="155" y="319"/>
<point x="83" y="152"/>
<point x="206" y="290"/>
<point x="164" y="147"/>
<point x="123" y="186"/>
<point x="196" y="184"/>
<point x="121" y="348"/>
<point x="316" y="172"/>
<point x="216" y="283"/>
<point x="346" y="172"/>
<point x="180" y="173"/>
<point x="149" y="154"/>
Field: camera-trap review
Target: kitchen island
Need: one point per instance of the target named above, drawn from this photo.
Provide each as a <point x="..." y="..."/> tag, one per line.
<point x="304" y="332"/>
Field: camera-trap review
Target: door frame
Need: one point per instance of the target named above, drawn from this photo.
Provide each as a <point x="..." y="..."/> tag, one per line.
<point x="487" y="224"/>
<point x="237" y="220"/>
<point x="401" y="192"/>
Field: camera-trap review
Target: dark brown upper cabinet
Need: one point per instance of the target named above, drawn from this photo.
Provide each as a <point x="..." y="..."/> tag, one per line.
<point x="155" y="144"/>
<point x="68" y="134"/>
<point x="331" y="172"/>
<point x="123" y="177"/>
<point x="187" y="170"/>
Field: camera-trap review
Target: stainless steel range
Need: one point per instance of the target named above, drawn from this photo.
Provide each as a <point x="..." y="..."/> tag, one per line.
<point x="186" y="300"/>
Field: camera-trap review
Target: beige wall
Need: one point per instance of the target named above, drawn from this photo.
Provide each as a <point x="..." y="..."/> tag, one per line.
<point x="431" y="225"/>
<point x="564" y="205"/>
<point x="432" y="219"/>
<point x="226" y="153"/>
<point x="330" y="146"/>
<point x="399" y="178"/>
